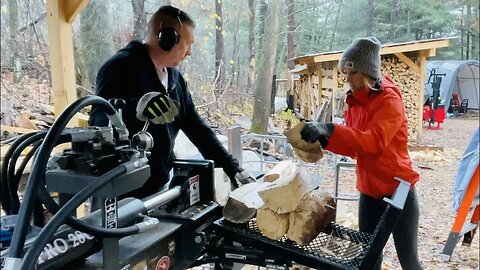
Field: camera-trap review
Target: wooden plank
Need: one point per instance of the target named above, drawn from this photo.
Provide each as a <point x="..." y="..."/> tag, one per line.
<point x="423" y="63"/>
<point x="329" y="83"/>
<point x="319" y="75"/>
<point x="407" y="61"/>
<point x="71" y="8"/>
<point x="62" y="64"/>
<point x="391" y="49"/>
<point x="17" y="129"/>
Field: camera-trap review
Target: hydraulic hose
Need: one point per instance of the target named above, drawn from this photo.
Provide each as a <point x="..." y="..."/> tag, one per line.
<point x="38" y="169"/>
<point x="59" y="218"/>
<point x="53" y="207"/>
<point x="6" y="203"/>
<point x="14" y="177"/>
<point x="15" y="204"/>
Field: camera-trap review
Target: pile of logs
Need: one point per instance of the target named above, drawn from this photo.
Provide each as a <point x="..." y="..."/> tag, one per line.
<point x="286" y="203"/>
<point x="408" y="81"/>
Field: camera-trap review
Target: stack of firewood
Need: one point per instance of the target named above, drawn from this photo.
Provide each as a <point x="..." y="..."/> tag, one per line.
<point x="408" y="81"/>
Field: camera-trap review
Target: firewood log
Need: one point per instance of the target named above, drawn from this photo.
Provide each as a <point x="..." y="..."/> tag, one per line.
<point x="271" y="224"/>
<point x="312" y="216"/>
<point x="284" y="194"/>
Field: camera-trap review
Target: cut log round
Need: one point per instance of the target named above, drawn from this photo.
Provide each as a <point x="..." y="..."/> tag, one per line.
<point x="312" y="216"/>
<point x="271" y="224"/>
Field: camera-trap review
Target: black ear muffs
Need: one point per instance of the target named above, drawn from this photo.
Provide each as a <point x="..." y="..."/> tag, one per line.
<point x="168" y="38"/>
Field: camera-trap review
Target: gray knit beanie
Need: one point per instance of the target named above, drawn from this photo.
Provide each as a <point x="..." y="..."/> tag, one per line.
<point x="363" y="55"/>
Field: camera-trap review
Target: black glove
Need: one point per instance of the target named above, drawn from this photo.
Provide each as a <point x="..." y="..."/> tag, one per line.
<point x="157" y="107"/>
<point x="315" y="131"/>
<point x="242" y="178"/>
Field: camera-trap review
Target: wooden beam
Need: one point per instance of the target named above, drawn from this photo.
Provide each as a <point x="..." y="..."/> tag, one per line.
<point x="423" y="65"/>
<point x="410" y="47"/>
<point x="61" y="56"/>
<point x="71" y="8"/>
<point x="16" y="129"/>
<point x="320" y="86"/>
<point x="416" y="46"/>
<point x="407" y="61"/>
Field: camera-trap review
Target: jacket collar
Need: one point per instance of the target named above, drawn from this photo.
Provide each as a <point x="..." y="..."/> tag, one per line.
<point x="359" y="97"/>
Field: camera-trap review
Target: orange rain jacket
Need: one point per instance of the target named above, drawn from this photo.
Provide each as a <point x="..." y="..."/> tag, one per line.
<point x="376" y="135"/>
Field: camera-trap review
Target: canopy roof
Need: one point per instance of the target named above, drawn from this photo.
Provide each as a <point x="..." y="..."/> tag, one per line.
<point x="461" y="77"/>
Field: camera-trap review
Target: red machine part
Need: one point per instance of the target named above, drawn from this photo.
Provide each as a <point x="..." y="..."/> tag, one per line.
<point x="438" y="116"/>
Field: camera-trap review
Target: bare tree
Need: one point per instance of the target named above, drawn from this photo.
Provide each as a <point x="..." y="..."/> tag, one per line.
<point x="291" y="33"/>
<point x="96" y="44"/>
<point x="266" y="63"/>
<point x="15" y="63"/>
<point x="370" y="17"/>
<point x="234" y="61"/>
<point x="251" y="42"/>
<point x="219" y="48"/>
<point x="139" y="18"/>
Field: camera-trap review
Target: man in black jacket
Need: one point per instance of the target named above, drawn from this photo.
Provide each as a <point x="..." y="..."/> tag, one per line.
<point x="147" y="71"/>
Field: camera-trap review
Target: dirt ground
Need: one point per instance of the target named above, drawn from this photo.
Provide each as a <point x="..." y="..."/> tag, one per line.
<point x="438" y="170"/>
<point x="435" y="196"/>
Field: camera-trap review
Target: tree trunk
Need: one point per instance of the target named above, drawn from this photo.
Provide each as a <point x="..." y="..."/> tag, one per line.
<point x="266" y="63"/>
<point x="393" y="18"/>
<point x="261" y="21"/>
<point x="140" y="19"/>
<point x="251" y="43"/>
<point x="15" y="63"/>
<point x="370" y="17"/>
<point x="219" y="49"/>
<point x="235" y="50"/>
<point x="475" y="33"/>
<point x="290" y="33"/>
<point x="337" y="16"/>
<point x="96" y="44"/>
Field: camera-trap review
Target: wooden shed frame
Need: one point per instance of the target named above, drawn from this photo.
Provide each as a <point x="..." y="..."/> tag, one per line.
<point x="61" y="14"/>
<point x="309" y="69"/>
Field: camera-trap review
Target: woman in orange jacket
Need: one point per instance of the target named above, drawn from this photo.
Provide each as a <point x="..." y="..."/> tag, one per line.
<point x="376" y="135"/>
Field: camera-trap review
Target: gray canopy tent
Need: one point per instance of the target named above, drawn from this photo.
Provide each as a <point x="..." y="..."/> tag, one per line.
<point x="461" y="78"/>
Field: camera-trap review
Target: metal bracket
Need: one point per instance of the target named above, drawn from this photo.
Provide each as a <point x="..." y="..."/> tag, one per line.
<point x="400" y="195"/>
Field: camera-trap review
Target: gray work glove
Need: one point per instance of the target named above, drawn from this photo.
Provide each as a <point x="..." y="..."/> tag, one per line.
<point x="316" y="131"/>
<point x="242" y="178"/>
<point x="157" y="107"/>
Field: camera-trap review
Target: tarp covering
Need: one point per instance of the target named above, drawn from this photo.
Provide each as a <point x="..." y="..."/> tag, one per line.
<point x="462" y="78"/>
<point x="468" y="165"/>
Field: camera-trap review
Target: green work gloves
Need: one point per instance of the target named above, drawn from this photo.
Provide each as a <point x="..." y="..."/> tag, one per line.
<point x="157" y="107"/>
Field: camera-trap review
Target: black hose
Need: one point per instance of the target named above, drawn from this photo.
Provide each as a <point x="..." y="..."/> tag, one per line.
<point x="5" y="201"/>
<point x="38" y="169"/>
<point x="29" y="260"/>
<point x="15" y="205"/>
<point x="14" y="181"/>
<point x="53" y="207"/>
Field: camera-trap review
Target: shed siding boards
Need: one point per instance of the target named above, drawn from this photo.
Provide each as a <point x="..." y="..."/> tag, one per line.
<point x="403" y="62"/>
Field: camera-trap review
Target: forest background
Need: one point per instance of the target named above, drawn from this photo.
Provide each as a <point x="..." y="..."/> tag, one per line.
<point x="240" y="45"/>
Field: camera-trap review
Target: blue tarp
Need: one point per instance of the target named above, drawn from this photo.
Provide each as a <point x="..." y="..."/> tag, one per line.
<point x="462" y="78"/>
<point x="468" y="165"/>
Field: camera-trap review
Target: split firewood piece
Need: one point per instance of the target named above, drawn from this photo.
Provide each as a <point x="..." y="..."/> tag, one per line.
<point x="271" y="224"/>
<point x="284" y="194"/>
<point x="243" y="202"/>
<point x="282" y="168"/>
<point x="308" y="152"/>
<point x="312" y="216"/>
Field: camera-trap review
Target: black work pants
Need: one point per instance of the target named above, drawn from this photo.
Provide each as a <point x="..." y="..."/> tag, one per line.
<point x="405" y="234"/>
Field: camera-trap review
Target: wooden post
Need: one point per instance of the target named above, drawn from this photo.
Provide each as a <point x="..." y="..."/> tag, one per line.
<point x="422" y="59"/>
<point x="60" y="15"/>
